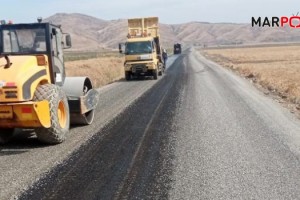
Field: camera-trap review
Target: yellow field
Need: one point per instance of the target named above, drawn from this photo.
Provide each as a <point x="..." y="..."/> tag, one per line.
<point x="101" y="70"/>
<point x="275" y="68"/>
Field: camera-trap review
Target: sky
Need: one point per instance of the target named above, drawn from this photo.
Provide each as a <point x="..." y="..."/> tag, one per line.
<point x="168" y="11"/>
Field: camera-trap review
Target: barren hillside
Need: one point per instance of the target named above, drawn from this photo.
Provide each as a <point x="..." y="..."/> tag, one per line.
<point x="90" y="33"/>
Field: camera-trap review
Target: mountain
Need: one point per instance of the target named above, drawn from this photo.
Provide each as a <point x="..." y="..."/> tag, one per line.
<point x="90" y="33"/>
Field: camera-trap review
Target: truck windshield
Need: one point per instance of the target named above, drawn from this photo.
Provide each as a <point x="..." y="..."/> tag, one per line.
<point x="133" y="48"/>
<point x="24" y="40"/>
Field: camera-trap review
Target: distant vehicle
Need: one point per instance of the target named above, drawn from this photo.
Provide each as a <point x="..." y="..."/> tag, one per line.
<point x="177" y="48"/>
<point x="143" y="53"/>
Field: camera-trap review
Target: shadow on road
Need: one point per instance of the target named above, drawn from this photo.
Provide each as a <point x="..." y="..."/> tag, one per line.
<point x="22" y="142"/>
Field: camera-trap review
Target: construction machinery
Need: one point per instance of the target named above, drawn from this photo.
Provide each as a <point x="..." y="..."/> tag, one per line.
<point x="34" y="90"/>
<point x="143" y="53"/>
<point x="177" y="48"/>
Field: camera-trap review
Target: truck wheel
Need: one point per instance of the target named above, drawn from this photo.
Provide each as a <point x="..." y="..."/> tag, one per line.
<point x="127" y="76"/>
<point x="59" y="114"/>
<point x="6" y="135"/>
<point x="155" y="74"/>
<point x="160" y="73"/>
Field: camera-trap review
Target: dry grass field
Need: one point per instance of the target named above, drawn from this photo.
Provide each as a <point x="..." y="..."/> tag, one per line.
<point x="101" y="70"/>
<point x="276" y="69"/>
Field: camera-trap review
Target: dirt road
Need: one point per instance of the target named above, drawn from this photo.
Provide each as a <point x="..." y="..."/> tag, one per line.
<point x="200" y="132"/>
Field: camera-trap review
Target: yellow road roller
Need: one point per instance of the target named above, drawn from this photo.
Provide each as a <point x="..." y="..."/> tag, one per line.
<point x="34" y="90"/>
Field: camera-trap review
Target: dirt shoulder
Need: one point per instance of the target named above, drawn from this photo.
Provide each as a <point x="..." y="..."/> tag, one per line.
<point x="274" y="70"/>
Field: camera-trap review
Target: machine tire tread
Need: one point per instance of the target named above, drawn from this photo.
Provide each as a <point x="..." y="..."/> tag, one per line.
<point x="54" y="94"/>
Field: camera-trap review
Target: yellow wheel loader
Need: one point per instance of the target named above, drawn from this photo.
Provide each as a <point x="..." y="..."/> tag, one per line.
<point x="34" y="90"/>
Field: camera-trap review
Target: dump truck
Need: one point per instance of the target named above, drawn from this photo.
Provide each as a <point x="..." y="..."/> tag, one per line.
<point x="143" y="52"/>
<point x="177" y="48"/>
<point x="34" y="90"/>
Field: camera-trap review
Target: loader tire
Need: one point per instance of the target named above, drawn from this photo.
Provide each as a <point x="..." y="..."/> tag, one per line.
<point x="59" y="114"/>
<point x="6" y="135"/>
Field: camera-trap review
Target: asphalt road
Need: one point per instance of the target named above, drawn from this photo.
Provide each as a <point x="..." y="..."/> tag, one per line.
<point x="25" y="161"/>
<point x="200" y="132"/>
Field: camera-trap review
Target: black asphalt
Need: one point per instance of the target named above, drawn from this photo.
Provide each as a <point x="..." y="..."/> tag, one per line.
<point x="133" y="157"/>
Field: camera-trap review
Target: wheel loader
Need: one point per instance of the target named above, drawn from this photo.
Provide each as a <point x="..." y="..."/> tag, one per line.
<point x="34" y="90"/>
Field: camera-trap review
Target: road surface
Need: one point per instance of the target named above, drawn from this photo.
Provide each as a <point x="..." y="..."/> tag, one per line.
<point x="200" y="132"/>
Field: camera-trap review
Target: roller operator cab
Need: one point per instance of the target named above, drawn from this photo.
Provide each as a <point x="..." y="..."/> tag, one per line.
<point x="34" y="90"/>
<point x="143" y="53"/>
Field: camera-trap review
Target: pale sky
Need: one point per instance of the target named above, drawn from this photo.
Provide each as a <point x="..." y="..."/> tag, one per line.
<point x="168" y="11"/>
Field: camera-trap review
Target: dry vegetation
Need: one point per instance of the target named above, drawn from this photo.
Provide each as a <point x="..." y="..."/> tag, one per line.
<point x="276" y="69"/>
<point x="101" y="70"/>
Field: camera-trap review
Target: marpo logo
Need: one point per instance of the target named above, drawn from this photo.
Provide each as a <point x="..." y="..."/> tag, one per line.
<point x="284" y="21"/>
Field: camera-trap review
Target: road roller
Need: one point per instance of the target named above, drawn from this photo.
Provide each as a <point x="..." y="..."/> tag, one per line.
<point x="34" y="90"/>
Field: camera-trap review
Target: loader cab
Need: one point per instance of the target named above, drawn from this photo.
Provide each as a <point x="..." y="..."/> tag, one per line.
<point x="37" y="39"/>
